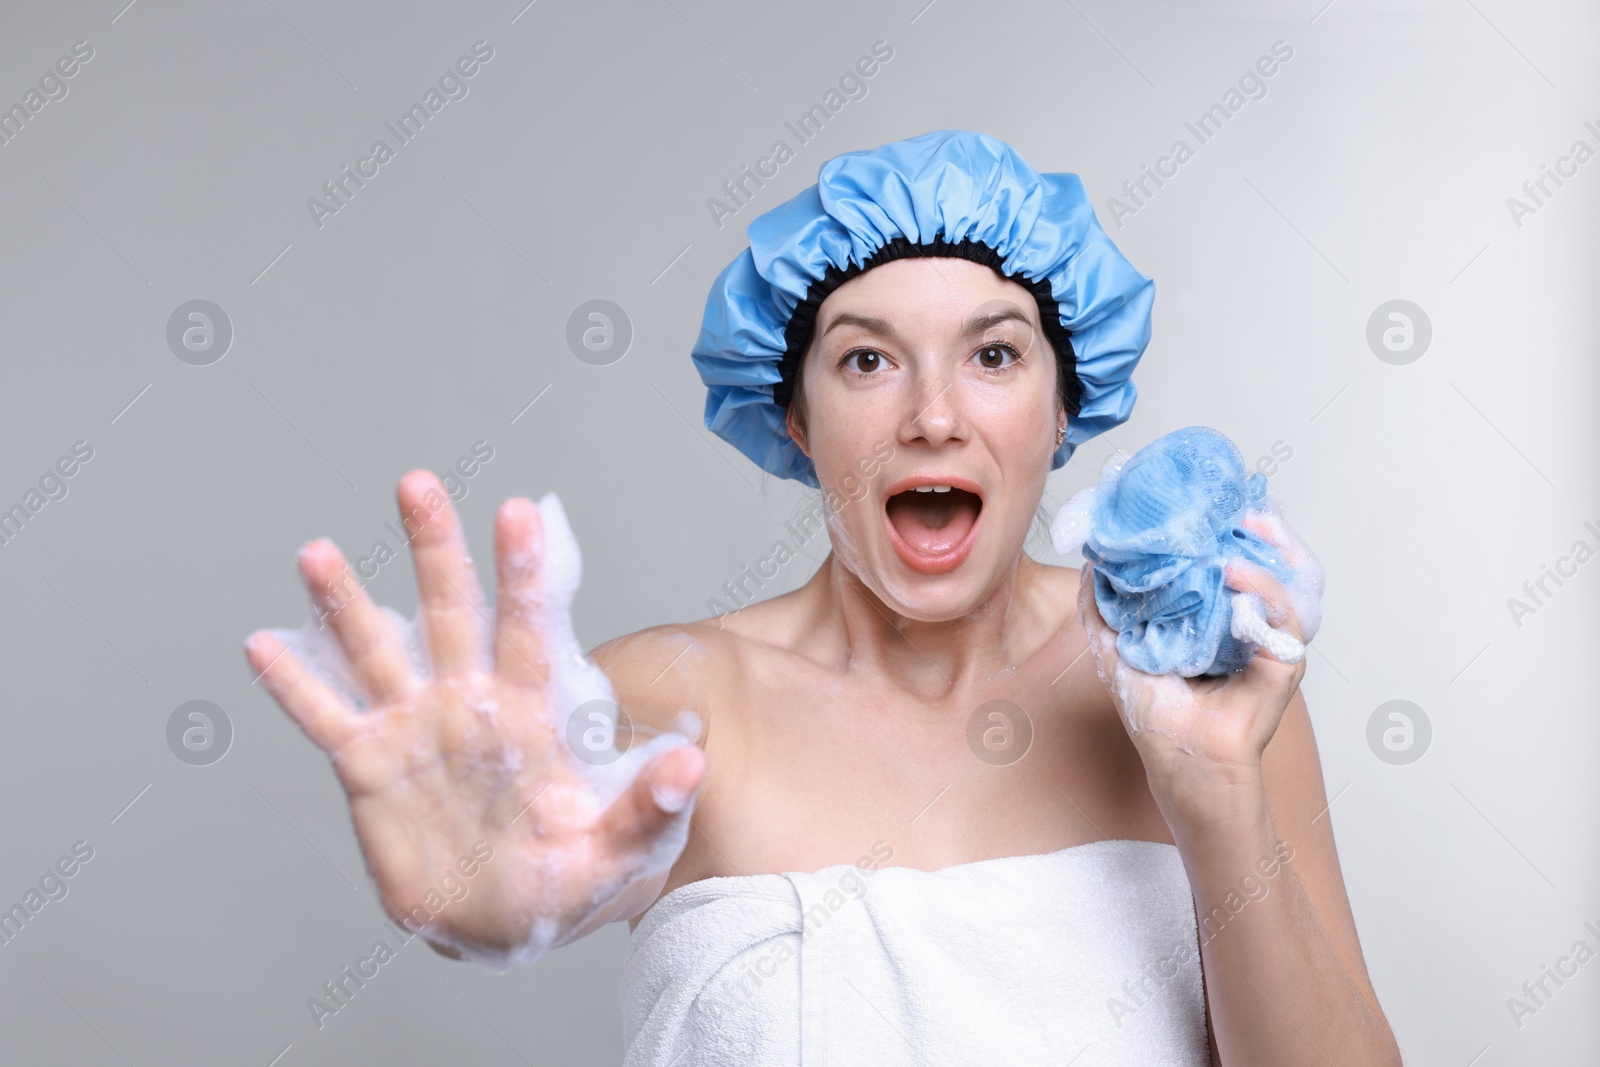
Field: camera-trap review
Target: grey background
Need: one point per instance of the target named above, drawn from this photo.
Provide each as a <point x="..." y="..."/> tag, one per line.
<point x="430" y="311"/>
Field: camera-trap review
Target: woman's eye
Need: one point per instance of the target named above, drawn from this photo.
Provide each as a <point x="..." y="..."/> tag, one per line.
<point x="867" y="360"/>
<point x="993" y="356"/>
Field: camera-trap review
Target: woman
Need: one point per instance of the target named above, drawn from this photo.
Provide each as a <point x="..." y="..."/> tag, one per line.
<point x="926" y="826"/>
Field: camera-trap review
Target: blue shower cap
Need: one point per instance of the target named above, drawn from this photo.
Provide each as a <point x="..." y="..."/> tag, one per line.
<point x="944" y="193"/>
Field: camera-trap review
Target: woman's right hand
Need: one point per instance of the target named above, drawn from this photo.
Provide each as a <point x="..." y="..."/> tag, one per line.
<point x="474" y="752"/>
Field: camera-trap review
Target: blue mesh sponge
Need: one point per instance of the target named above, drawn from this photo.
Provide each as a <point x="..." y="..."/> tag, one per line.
<point x="1159" y="530"/>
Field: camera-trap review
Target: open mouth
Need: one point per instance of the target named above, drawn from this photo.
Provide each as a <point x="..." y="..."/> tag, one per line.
<point x="933" y="526"/>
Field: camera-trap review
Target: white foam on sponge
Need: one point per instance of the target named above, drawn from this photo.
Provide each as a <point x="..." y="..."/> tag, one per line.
<point x="1074" y="522"/>
<point x="541" y="864"/>
<point x="1070" y="529"/>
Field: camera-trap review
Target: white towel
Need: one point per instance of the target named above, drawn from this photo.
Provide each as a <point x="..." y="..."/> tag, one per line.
<point x="1090" y="952"/>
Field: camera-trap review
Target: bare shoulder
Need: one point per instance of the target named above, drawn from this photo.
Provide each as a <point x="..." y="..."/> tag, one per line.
<point x="661" y="670"/>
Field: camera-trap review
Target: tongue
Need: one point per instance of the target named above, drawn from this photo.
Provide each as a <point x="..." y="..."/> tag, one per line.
<point x="933" y="523"/>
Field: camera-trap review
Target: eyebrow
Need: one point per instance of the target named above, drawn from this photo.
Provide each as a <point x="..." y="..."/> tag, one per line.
<point x="883" y="328"/>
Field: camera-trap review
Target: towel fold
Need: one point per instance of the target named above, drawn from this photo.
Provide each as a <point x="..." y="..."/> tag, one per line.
<point x="1089" y="952"/>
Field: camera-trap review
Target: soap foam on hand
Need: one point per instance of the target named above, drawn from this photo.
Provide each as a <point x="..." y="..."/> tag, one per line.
<point x="576" y="680"/>
<point x="573" y="681"/>
<point x="1160" y="527"/>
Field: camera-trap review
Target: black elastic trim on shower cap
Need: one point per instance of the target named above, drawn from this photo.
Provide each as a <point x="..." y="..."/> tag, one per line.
<point x="797" y="334"/>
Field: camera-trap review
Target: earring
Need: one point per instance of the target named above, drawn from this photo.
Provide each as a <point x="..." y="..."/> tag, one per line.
<point x="1061" y="435"/>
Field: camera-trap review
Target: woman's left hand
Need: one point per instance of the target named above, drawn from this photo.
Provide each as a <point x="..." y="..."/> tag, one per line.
<point x="1201" y="736"/>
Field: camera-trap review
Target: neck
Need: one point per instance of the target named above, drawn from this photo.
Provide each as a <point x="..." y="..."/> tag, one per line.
<point x="930" y="660"/>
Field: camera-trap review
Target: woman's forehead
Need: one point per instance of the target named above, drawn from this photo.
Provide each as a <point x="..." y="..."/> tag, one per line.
<point x="958" y="291"/>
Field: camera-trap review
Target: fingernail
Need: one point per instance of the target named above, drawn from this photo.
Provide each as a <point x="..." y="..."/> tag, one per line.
<point x="668" y="799"/>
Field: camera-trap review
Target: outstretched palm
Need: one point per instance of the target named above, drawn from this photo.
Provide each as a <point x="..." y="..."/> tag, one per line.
<point x="467" y="760"/>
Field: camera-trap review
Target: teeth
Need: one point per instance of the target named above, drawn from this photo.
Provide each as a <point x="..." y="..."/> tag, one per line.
<point x="933" y="488"/>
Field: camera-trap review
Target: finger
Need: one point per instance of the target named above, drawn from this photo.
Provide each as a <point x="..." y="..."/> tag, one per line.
<point x="453" y="615"/>
<point x="519" y="647"/>
<point x="1272" y="672"/>
<point x="1247" y="577"/>
<point x="662" y="789"/>
<point x="1273" y="530"/>
<point x="324" y="718"/>
<point x="365" y="634"/>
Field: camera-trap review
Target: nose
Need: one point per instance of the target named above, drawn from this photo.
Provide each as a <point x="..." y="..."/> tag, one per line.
<point x="934" y="411"/>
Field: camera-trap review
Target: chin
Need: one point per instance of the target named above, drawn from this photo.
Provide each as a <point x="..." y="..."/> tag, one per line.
<point x="944" y="602"/>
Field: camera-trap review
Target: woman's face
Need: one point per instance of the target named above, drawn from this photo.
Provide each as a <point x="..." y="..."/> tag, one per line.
<point x="929" y="372"/>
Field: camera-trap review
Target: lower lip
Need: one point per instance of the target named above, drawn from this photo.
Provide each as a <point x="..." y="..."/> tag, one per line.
<point x="926" y="564"/>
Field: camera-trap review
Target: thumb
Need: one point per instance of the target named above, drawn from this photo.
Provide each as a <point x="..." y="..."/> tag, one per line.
<point x="662" y="789"/>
